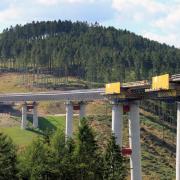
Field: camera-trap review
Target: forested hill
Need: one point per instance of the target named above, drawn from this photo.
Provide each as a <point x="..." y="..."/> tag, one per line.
<point x="91" y="52"/>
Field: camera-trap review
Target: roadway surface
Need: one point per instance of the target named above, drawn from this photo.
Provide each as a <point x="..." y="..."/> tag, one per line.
<point x="72" y="95"/>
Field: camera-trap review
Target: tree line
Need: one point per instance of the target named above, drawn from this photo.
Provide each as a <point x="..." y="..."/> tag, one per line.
<point x="87" y="51"/>
<point x="51" y="158"/>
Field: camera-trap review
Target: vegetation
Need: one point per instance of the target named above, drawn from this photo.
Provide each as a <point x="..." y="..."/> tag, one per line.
<point x="157" y="141"/>
<point x="25" y="137"/>
<point x="115" y="166"/>
<point x="89" y="52"/>
<point x="157" y="144"/>
<point x="8" y="161"/>
<point x="55" y="158"/>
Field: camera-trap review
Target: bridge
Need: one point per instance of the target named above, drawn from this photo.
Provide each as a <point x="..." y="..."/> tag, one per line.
<point x="164" y="87"/>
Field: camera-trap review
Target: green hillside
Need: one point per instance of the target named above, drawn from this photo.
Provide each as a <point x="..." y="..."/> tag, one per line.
<point x="87" y="51"/>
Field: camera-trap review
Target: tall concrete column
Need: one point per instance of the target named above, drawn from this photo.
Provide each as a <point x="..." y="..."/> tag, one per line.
<point x="82" y="112"/>
<point x="117" y="122"/>
<point x="134" y="139"/>
<point x="24" y="116"/>
<point x="178" y="143"/>
<point x="69" y="118"/>
<point x="35" y="116"/>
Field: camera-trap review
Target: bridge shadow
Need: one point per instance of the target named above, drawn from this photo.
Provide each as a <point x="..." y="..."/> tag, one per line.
<point x="9" y="109"/>
<point x="148" y="136"/>
<point x="44" y="126"/>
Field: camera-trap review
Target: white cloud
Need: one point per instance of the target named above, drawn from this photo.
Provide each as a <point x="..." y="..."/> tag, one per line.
<point x="160" y="20"/>
<point x="171" y="21"/>
<point x="55" y="2"/>
<point x="150" y="6"/>
<point x="48" y="2"/>
<point x="171" y="39"/>
<point x="11" y="13"/>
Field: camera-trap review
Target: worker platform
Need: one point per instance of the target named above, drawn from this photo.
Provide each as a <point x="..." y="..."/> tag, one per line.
<point x="164" y="87"/>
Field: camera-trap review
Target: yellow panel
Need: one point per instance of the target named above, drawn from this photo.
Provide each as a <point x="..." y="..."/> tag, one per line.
<point x="160" y="82"/>
<point x="113" y="88"/>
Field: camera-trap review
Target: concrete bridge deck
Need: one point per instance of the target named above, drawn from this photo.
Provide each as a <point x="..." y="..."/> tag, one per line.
<point x="73" y="95"/>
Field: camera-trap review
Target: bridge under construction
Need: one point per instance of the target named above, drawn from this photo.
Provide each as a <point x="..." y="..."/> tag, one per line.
<point x="165" y="88"/>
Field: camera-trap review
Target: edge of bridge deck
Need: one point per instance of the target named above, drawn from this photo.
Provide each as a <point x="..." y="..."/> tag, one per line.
<point x="128" y="91"/>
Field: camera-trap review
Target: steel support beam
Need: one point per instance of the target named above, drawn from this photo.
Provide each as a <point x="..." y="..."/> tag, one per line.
<point x="117" y="122"/>
<point x="24" y="116"/>
<point x="178" y="143"/>
<point x="69" y="119"/>
<point x="134" y="140"/>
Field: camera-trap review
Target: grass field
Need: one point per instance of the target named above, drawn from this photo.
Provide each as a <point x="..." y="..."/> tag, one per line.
<point x="24" y="137"/>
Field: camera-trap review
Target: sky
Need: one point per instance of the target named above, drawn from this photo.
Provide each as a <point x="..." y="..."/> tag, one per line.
<point x="157" y="20"/>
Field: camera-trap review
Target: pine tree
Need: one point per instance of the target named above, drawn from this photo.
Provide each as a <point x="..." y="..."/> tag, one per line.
<point x="62" y="162"/>
<point x="88" y="160"/>
<point x="34" y="162"/>
<point x="8" y="161"/>
<point x="114" y="163"/>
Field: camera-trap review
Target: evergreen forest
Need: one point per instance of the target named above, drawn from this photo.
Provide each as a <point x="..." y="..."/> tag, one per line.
<point x="86" y="51"/>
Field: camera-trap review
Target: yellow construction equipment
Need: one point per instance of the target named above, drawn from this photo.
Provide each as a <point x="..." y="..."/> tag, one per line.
<point x="113" y="88"/>
<point x="160" y="82"/>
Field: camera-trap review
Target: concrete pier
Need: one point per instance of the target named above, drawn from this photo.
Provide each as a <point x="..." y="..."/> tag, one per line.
<point x="35" y="116"/>
<point x="134" y="139"/>
<point x="69" y="119"/>
<point x="82" y="110"/>
<point x="178" y="143"/>
<point x="24" y="116"/>
<point x="117" y="122"/>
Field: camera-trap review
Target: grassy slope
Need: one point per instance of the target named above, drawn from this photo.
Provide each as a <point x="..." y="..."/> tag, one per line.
<point x="25" y="137"/>
<point x="11" y="82"/>
<point x="158" y="156"/>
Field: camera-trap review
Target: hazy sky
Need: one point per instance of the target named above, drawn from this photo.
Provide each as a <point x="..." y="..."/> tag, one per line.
<point x="156" y="19"/>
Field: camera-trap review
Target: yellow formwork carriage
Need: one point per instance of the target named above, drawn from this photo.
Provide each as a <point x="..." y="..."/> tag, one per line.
<point x="160" y="82"/>
<point x="113" y="88"/>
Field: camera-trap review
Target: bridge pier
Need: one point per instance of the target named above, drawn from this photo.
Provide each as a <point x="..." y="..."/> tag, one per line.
<point x="82" y="112"/>
<point x="134" y="140"/>
<point x="24" y="116"/>
<point x="35" y="116"/>
<point x="178" y="143"/>
<point x="69" y="119"/>
<point x="117" y="122"/>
